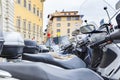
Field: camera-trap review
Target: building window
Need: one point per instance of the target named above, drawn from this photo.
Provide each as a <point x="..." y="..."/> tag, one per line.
<point x="29" y="6"/>
<point x="34" y="10"/>
<point x="41" y="15"/>
<point x="58" y="24"/>
<point x="38" y="12"/>
<point x="42" y="0"/>
<point x="68" y="24"/>
<point x="34" y="28"/>
<point x="19" y="1"/>
<point x="29" y="36"/>
<point x="58" y="30"/>
<point x="68" y="18"/>
<point x="18" y="23"/>
<point x="24" y="35"/>
<point x="68" y="35"/>
<point x="58" y="18"/>
<point x="24" y="24"/>
<point x="69" y="14"/>
<point x="65" y="13"/>
<point x="73" y="18"/>
<point x="76" y="18"/>
<point x="75" y="13"/>
<point x="68" y="30"/>
<point x="29" y="26"/>
<point x="25" y="3"/>
<point x="37" y="29"/>
<point x="41" y="31"/>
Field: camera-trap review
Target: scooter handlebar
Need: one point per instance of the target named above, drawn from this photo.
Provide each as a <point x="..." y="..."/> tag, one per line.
<point x="97" y="43"/>
<point x="113" y="36"/>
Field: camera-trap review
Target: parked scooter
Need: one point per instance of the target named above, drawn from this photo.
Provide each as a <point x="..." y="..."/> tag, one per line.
<point x="4" y="75"/>
<point x="40" y="71"/>
<point x="29" y="50"/>
<point x="43" y="48"/>
<point x="108" y="65"/>
<point x="39" y="57"/>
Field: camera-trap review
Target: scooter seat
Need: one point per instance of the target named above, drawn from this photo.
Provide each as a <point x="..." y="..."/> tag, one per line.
<point x="47" y="58"/>
<point x="42" y="71"/>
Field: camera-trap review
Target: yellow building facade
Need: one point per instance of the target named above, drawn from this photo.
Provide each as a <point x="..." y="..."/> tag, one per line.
<point x="63" y="23"/>
<point x="29" y="19"/>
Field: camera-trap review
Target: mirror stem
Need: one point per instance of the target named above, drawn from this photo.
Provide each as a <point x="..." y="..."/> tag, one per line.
<point x="105" y="8"/>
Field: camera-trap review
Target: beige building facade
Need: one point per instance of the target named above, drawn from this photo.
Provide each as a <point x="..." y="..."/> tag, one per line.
<point x="63" y="23"/>
<point x="28" y="19"/>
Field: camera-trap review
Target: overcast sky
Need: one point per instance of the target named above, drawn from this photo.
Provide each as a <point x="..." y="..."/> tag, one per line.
<point x="91" y="9"/>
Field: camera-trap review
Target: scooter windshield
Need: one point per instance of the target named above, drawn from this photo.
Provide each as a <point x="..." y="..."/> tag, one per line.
<point x="93" y="10"/>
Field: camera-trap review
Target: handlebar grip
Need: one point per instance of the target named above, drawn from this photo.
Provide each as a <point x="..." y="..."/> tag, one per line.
<point x="67" y="47"/>
<point x="97" y="43"/>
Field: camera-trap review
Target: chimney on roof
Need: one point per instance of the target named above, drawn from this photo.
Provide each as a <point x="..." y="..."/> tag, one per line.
<point x="63" y="10"/>
<point x="55" y="10"/>
<point x="48" y="16"/>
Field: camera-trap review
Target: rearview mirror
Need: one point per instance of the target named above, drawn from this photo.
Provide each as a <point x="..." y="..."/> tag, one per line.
<point x="117" y="6"/>
<point x="87" y="28"/>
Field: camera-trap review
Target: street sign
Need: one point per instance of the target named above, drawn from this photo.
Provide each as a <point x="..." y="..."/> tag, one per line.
<point x="48" y="35"/>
